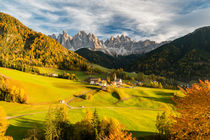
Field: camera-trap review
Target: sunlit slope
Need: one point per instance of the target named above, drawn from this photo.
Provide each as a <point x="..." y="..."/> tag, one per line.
<point x="41" y="89"/>
<point x="137" y="113"/>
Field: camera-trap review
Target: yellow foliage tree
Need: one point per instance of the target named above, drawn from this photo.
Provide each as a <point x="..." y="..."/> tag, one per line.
<point x="117" y="132"/>
<point x="3" y="122"/>
<point x="193" y="121"/>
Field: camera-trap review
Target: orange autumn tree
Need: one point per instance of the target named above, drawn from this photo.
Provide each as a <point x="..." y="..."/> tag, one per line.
<point x="193" y="121"/>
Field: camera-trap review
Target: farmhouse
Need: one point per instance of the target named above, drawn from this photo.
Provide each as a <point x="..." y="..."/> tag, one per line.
<point x="93" y="80"/>
<point x="117" y="82"/>
<point x="53" y="75"/>
<point x="103" y="83"/>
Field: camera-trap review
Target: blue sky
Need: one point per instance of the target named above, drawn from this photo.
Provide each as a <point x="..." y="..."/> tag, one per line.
<point x="157" y="20"/>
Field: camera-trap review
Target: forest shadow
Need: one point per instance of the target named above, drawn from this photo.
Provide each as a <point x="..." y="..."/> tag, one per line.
<point x="116" y="95"/>
<point x="20" y="130"/>
<point x="164" y="94"/>
<point x="160" y="99"/>
<point x="143" y="135"/>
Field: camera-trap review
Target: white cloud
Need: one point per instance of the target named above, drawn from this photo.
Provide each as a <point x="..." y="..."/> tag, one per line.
<point x="141" y="19"/>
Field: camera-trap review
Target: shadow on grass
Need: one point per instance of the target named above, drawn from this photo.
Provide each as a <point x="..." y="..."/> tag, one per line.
<point x="160" y="99"/>
<point x="20" y="130"/>
<point x="116" y="95"/>
<point x="142" y="135"/>
<point x="164" y="94"/>
<point x="93" y="88"/>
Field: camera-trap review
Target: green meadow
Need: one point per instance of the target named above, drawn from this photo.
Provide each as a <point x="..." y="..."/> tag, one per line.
<point x="137" y="112"/>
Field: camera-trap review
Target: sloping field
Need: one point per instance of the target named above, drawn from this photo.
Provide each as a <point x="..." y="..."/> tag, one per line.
<point x="137" y="113"/>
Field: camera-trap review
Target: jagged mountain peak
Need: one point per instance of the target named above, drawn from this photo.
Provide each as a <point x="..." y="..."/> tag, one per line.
<point x="118" y="45"/>
<point x="82" y="33"/>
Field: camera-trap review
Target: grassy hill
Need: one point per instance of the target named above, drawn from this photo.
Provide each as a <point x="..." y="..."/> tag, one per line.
<point x="137" y="113"/>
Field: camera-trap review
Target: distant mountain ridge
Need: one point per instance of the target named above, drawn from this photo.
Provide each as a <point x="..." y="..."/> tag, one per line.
<point x="105" y="60"/>
<point x="186" y="58"/>
<point x="115" y="46"/>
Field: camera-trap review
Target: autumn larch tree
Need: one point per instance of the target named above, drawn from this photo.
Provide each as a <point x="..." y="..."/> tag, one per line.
<point x="193" y="120"/>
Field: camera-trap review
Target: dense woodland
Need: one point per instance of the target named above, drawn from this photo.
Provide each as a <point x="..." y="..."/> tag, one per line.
<point x="185" y="59"/>
<point x="105" y="60"/>
<point x="21" y="48"/>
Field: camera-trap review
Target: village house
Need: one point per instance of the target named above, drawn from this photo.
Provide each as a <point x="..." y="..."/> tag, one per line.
<point x="93" y="80"/>
<point x="53" y="75"/>
<point x="103" y="83"/>
<point x="117" y="81"/>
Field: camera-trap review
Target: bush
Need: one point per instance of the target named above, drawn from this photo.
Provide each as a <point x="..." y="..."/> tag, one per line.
<point x="87" y="96"/>
<point x="153" y="84"/>
<point x="68" y="76"/>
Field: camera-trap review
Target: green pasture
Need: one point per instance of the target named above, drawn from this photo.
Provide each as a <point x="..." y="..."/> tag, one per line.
<point x="137" y="113"/>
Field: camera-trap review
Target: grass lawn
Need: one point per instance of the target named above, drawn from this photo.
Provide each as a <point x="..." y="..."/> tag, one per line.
<point x="137" y="114"/>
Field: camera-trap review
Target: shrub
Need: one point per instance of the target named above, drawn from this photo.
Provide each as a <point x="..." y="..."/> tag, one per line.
<point x="68" y="76"/>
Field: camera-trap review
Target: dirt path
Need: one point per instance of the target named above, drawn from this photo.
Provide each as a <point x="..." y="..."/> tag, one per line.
<point x="71" y="107"/>
<point x="66" y="103"/>
<point x="12" y="117"/>
<point x="118" y="107"/>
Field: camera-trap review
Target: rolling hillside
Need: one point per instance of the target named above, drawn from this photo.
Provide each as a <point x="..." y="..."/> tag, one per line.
<point x="137" y="113"/>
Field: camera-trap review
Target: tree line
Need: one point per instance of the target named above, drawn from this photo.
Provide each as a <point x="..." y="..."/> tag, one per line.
<point x="59" y="127"/>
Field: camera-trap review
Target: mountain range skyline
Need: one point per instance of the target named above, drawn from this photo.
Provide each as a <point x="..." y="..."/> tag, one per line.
<point x="119" y="45"/>
<point x="157" y="20"/>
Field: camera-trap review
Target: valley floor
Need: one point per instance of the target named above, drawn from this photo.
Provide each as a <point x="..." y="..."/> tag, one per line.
<point x="137" y="113"/>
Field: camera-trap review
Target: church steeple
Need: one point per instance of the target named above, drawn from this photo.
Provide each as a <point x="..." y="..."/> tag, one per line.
<point x="115" y="77"/>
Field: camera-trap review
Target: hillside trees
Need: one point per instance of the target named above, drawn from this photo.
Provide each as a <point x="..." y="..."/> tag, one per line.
<point x="140" y="76"/>
<point x="185" y="59"/>
<point x="21" y="47"/>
